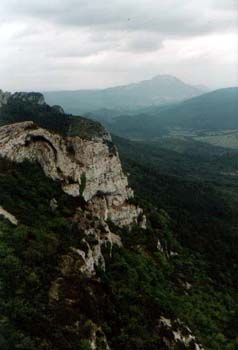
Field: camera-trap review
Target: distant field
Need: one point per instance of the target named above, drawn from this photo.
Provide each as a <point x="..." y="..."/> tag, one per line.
<point x="227" y="139"/>
<point x="224" y="138"/>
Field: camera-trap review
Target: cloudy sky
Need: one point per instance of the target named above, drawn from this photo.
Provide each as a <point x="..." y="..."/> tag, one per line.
<point x="74" y="44"/>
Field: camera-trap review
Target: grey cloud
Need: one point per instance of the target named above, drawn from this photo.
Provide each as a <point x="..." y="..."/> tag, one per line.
<point x="169" y="17"/>
<point x="226" y="5"/>
<point x="141" y="42"/>
<point x="92" y="43"/>
<point x="120" y="25"/>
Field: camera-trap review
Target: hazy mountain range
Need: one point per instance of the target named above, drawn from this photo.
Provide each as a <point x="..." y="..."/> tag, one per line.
<point x="213" y="111"/>
<point x="161" y="89"/>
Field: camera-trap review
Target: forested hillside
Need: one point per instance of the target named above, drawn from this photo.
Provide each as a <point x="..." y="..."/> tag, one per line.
<point x="176" y="276"/>
<point x="199" y="116"/>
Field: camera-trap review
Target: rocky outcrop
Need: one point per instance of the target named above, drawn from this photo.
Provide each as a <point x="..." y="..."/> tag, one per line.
<point x="98" y="339"/>
<point x="8" y="216"/>
<point x="176" y="335"/>
<point x="90" y="169"/>
<point x="96" y="236"/>
<point x="4" y="96"/>
<point x="32" y="97"/>
<point x="77" y="284"/>
<point x="85" y="258"/>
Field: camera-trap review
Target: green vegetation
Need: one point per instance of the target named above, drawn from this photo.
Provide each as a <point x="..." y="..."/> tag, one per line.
<point x="197" y="284"/>
<point x="183" y="266"/>
<point x="26" y="193"/>
<point x="29" y="260"/>
<point x="213" y="111"/>
<point x="228" y="139"/>
<point x="183" y="158"/>
<point x="201" y="226"/>
<point x="82" y="183"/>
<point x="52" y="118"/>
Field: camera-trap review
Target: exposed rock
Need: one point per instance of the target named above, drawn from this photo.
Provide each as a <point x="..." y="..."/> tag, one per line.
<point x="97" y="236"/>
<point x="33" y="97"/>
<point x="160" y="247"/>
<point x="54" y="292"/>
<point x="53" y="204"/>
<point x="176" y="335"/>
<point x="8" y="216"/>
<point x="115" y="239"/>
<point x="172" y="253"/>
<point x="98" y="339"/>
<point x="187" y="285"/>
<point x="4" y="96"/>
<point x="116" y="208"/>
<point x="58" y="109"/>
<point x="87" y="168"/>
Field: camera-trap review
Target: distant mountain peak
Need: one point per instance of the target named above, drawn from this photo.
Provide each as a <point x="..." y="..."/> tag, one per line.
<point x="159" y="90"/>
<point x="165" y="77"/>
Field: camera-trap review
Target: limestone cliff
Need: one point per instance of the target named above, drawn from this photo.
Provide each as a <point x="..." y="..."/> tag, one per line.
<point x="77" y="153"/>
<point x="87" y="168"/>
<point x="34" y="97"/>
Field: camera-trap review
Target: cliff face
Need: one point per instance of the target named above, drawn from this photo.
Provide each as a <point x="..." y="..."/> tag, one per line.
<point x="33" y="97"/>
<point x="4" y="96"/>
<point x="87" y="168"/>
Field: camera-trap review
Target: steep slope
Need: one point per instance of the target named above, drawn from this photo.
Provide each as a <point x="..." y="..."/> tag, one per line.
<point x="159" y="90"/>
<point x="204" y="226"/>
<point x="66" y="281"/>
<point x="80" y="270"/>
<point x="183" y="158"/>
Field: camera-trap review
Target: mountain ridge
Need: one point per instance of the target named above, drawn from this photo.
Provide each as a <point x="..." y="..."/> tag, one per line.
<point x="156" y="91"/>
<point x="215" y="110"/>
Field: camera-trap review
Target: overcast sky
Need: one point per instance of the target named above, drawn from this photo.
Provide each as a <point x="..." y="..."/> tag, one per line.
<point x="75" y="44"/>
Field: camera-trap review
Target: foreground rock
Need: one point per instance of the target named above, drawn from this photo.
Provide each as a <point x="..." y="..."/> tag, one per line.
<point x="87" y="168"/>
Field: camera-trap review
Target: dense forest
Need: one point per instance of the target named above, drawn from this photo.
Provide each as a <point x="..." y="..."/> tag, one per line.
<point x="192" y="277"/>
<point x="202" y="216"/>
